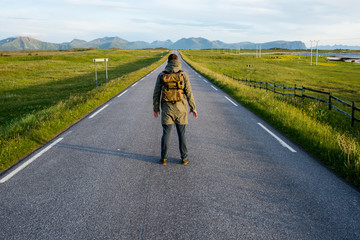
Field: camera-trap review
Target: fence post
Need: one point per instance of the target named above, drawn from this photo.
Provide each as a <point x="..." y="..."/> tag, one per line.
<point x="329" y="100"/>
<point x="266" y="86"/>
<point x="274" y="89"/>
<point x="302" y="93"/>
<point x="295" y="92"/>
<point x="352" y="114"/>
<point x="106" y="76"/>
<point x="95" y="74"/>
<point x="283" y="92"/>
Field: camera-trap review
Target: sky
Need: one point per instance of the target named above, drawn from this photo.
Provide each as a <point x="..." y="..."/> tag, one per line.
<point x="329" y="21"/>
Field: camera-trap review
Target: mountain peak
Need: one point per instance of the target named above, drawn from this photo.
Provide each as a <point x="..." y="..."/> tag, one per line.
<point x="108" y="40"/>
<point x="77" y="41"/>
<point x="7" y="40"/>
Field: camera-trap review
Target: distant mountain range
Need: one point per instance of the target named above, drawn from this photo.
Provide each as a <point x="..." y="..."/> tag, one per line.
<point x="27" y="43"/>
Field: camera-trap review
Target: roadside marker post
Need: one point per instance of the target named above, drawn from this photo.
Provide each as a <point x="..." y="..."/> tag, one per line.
<point x="106" y="72"/>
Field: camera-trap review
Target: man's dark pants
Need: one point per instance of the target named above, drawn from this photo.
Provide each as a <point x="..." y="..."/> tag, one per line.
<point x="165" y="140"/>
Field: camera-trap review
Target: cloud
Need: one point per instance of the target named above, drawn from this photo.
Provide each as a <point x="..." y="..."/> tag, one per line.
<point x="227" y="20"/>
<point x="105" y="4"/>
<point x="26" y="18"/>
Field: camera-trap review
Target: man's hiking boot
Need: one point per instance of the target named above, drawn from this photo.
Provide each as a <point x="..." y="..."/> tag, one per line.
<point x="163" y="162"/>
<point x="185" y="162"/>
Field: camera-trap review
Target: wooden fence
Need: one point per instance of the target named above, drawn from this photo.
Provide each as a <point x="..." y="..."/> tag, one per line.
<point x="301" y="92"/>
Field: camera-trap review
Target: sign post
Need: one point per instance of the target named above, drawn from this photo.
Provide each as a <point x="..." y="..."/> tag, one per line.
<point x="101" y="60"/>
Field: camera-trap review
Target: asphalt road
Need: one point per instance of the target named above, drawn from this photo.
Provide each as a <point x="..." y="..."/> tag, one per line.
<point x="101" y="179"/>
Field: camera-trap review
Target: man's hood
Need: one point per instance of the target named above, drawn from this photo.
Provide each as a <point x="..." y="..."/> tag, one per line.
<point x="173" y="66"/>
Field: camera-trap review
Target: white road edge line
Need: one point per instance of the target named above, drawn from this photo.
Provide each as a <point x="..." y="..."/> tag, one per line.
<point x="214" y="87"/>
<point x="205" y="81"/>
<point x="231" y="101"/>
<point x="122" y="93"/>
<point x="99" y="111"/>
<point x="21" y="167"/>
<point x="134" y="84"/>
<point x="277" y="138"/>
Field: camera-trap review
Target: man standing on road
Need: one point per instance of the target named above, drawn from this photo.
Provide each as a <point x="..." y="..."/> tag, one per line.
<point x="173" y="92"/>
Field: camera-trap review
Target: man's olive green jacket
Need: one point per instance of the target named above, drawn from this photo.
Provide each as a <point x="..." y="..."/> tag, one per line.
<point x="173" y="112"/>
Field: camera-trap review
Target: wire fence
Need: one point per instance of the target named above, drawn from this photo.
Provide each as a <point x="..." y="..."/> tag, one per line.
<point x="304" y="92"/>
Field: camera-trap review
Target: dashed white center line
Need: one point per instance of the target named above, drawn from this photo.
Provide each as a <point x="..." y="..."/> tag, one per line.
<point x="214" y="87"/>
<point x="22" y="166"/>
<point x="205" y="81"/>
<point x="134" y="84"/>
<point x="277" y="138"/>
<point x="122" y="93"/>
<point x="231" y="101"/>
<point x="99" y="111"/>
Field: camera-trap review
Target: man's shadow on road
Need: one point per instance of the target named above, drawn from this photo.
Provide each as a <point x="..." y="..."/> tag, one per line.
<point x="117" y="153"/>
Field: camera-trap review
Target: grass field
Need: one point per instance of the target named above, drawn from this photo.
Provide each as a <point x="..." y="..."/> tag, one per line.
<point x="325" y="134"/>
<point x="43" y="92"/>
<point x="341" y="78"/>
<point x="32" y="81"/>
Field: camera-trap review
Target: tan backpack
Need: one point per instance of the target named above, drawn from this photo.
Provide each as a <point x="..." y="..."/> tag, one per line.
<point x="173" y="86"/>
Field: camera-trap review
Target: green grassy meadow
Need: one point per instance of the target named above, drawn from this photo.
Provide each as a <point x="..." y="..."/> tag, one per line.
<point x="325" y="134"/>
<point x="341" y="78"/>
<point x="43" y="92"/>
